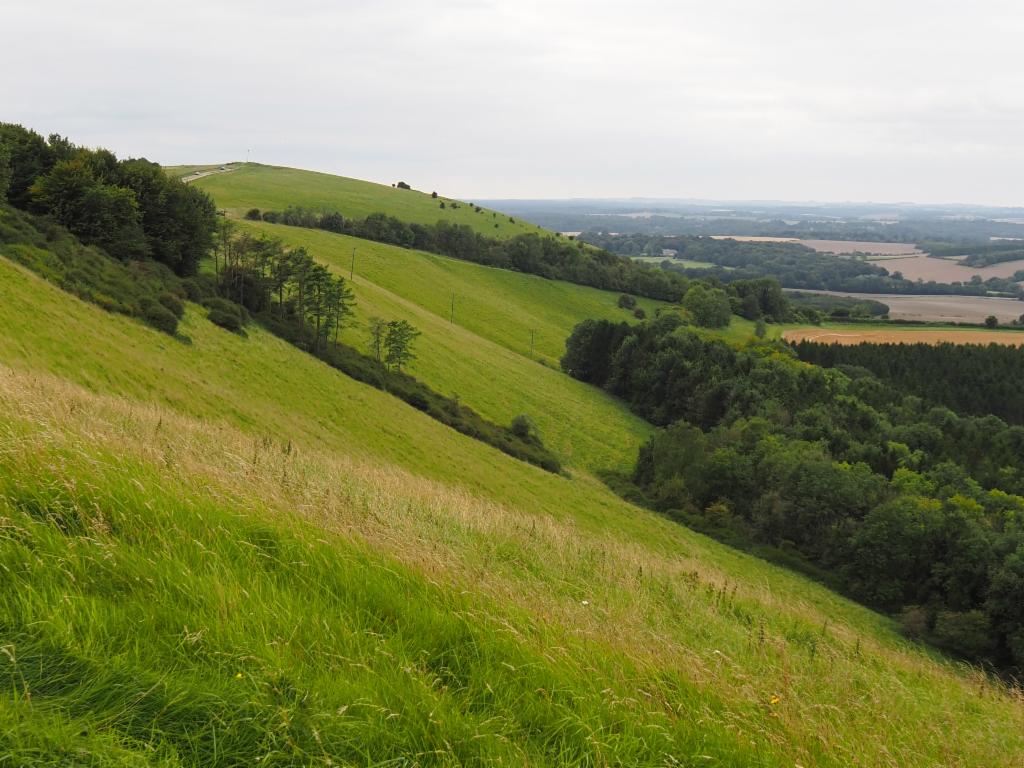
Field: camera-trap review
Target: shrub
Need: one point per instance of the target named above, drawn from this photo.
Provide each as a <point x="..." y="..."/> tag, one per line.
<point x="639" y="313"/>
<point x="253" y="214"/>
<point x="199" y="288"/>
<point x="403" y="185"/>
<point x="968" y="633"/>
<point x="172" y="304"/>
<point x="226" y="320"/>
<point x="626" y="301"/>
<point x="522" y="426"/>
<point x="158" y="316"/>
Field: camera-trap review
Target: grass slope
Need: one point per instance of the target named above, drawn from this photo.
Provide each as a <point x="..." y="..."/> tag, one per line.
<point x="312" y="573"/>
<point x="484" y="356"/>
<point x="251" y="185"/>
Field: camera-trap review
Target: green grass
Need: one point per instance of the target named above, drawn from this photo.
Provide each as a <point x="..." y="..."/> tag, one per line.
<point x="656" y="260"/>
<point x="219" y="549"/>
<point x="209" y="592"/>
<point x="270" y="187"/>
<point x="484" y="356"/>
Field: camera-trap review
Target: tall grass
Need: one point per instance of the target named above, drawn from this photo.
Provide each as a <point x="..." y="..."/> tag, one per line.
<point x="181" y="593"/>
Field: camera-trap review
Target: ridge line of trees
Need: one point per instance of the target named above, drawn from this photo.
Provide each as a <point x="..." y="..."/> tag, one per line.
<point x="550" y="257"/>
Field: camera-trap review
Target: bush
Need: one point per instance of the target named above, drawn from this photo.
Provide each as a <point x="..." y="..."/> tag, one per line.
<point x="226" y="320"/>
<point x="403" y="185"/>
<point x="253" y="214"/>
<point x="172" y="304"/>
<point x="158" y="316"/>
<point x="522" y="426"/>
<point x="199" y="288"/>
<point x="626" y="301"/>
<point x="639" y="313"/>
<point x="968" y="633"/>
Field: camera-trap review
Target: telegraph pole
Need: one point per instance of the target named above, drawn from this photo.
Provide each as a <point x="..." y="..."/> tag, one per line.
<point x="531" y="341"/>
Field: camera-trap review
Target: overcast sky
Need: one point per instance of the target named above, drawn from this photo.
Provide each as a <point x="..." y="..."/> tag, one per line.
<point x="902" y="100"/>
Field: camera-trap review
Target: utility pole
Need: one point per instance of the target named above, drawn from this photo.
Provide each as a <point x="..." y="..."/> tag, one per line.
<point x="531" y="341"/>
<point x="352" y="269"/>
<point x="247" y="155"/>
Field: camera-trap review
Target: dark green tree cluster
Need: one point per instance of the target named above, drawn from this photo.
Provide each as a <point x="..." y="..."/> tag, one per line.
<point x="259" y="274"/>
<point x="905" y="505"/>
<point x="968" y="378"/>
<point x="549" y="257"/>
<point x="146" y="290"/>
<point x="129" y="208"/>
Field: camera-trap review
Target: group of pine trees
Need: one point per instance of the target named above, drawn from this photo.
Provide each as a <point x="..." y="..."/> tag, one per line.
<point x="289" y="285"/>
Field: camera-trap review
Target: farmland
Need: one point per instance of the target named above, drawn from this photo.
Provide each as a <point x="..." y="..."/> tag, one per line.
<point x="926" y="268"/>
<point x="895" y="335"/>
<point x="838" y="247"/>
<point x="947" y="309"/>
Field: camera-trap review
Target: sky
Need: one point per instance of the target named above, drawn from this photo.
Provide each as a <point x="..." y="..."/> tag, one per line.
<point x="903" y="100"/>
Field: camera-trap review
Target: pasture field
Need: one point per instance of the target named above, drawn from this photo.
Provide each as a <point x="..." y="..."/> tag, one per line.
<point x="847" y="334"/>
<point x="220" y="552"/>
<point x="265" y="187"/>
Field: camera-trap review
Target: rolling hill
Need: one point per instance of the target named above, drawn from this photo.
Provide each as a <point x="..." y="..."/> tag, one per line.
<point x="218" y="551"/>
<point x="250" y="185"/>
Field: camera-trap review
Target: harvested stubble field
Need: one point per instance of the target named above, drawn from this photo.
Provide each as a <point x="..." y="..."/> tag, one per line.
<point x="905" y="336"/>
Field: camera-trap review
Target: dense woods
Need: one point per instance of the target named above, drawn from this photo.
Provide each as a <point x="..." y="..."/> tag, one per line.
<point x="900" y="502"/>
<point x="968" y="378"/>
<point x="550" y="257"/>
<point x="129" y="208"/>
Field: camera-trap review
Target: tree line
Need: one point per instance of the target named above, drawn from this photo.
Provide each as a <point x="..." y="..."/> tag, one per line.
<point x="130" y="208"/>
<point x="905" y="505"/>
<point x="551" y="257"/>
<point x="794" y="265"/>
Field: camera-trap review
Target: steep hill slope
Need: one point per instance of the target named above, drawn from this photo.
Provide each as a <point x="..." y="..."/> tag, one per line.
<point x="484" y="356"/>
<point x="251" y="185"/>
<point x="222" y="552"/>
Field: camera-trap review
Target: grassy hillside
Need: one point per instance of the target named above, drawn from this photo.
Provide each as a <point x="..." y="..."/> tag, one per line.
<point x="223" y="553"/>
<point x="484" y="356"/>
<point x="269" y="187"/>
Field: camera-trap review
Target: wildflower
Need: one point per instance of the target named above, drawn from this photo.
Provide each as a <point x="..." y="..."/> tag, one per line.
<point x="774" y="699"/>
<point x="238" y="676"/>
<point x="584" y="602"/>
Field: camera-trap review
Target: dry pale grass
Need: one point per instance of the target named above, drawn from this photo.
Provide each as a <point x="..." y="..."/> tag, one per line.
<point x="846" y="687"/>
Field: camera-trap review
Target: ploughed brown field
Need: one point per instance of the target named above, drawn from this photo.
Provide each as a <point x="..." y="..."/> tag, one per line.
<point x="921" y="267"/>
<point x="838" y="247"/>
<point x="904" y="336"/>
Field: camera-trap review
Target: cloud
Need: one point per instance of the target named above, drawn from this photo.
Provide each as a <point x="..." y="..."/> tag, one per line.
<point x="792" y="99"/>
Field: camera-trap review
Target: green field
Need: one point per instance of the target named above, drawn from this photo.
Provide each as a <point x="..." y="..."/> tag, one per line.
<point x="217" y="551"/>
<point x="316" y="568"/>
<point x="484" y="356"/>
<point x="269" y="187"/>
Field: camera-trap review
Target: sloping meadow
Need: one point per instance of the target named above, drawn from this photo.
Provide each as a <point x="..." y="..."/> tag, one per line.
<point x="178" y="592"/>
